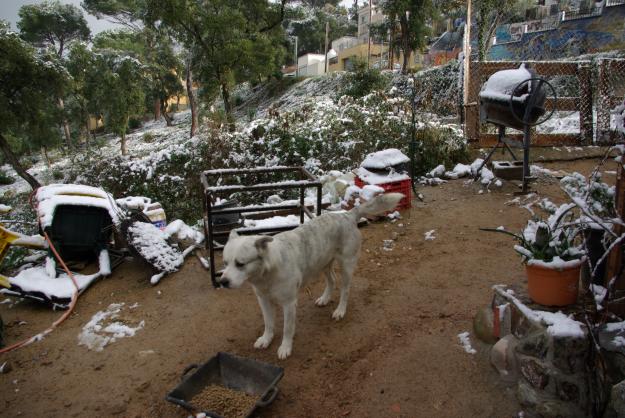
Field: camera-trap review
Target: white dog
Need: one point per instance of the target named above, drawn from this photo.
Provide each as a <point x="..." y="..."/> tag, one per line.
<point x="277" y="267"/>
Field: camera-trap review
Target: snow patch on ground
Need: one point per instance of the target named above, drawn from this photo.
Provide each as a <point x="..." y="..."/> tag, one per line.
<point x="429" y="235"/>
<point x="466" y="342"/>
<point x="102" y="329"/>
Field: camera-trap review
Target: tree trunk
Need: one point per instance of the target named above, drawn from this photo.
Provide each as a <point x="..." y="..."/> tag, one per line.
<point x="15" y="163"/>
<point x="68" y="136"/>
<point x="123" y="143"/>
<point x="87" y="142"/>
<point x="168" y="119"/>
<point x="44" y="154"/>
<point x="225" y="93"/>
<point x="157" y="109"/>
<point x="192" y="102"/>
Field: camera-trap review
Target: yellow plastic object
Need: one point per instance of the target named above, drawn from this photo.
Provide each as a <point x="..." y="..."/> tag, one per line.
<point x="4" y="282"/>
<point x="6" y="238"/>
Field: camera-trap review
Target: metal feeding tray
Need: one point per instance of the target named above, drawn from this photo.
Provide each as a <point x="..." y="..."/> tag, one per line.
<point x="230" y="371"/>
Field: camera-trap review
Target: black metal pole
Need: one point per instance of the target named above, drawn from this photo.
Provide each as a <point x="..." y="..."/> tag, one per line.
<point x="413" y="144"/>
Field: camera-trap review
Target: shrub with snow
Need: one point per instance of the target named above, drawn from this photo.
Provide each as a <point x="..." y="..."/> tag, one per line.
<point x="322" y="135"/>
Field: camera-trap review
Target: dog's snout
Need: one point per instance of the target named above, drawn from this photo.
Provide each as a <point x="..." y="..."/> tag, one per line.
<point x="224" y="282"/>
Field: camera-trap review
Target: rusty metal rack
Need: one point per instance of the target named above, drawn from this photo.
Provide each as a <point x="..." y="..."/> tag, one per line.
<point x="302" y="181"/>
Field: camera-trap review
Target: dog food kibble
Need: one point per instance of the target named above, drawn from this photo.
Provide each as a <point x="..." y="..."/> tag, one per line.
<point x="226" y="402"/>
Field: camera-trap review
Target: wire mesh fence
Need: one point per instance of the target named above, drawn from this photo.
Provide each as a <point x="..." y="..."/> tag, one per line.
<point x="585" y="94"/>
<point x="610" y="93"/>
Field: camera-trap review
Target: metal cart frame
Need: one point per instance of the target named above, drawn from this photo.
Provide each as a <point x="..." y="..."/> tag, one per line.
<point x="303" y="181"/>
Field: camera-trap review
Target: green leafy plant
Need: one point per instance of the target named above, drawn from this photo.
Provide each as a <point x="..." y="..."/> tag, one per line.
<point x="362" y="81"/>
<point x="556" y="238"/>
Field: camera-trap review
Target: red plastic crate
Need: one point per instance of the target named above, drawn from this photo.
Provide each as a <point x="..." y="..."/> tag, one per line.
<point x="402" y="186"/>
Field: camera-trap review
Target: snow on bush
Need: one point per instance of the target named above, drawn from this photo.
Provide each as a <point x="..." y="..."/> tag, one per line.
<point x="322" y="135"/>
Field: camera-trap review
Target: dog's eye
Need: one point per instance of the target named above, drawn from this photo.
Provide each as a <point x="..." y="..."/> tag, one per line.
<point x="239" y="264"/>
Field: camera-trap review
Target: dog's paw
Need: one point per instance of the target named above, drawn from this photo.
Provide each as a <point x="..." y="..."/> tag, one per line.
<point x="322" y="301"/>
<point x="284" y="351"/>
<point x="263" y="341"/>
<point x="338" y="313"/>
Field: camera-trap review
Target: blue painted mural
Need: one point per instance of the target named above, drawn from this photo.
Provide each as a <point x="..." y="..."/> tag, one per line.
<point x="571" y="38"/>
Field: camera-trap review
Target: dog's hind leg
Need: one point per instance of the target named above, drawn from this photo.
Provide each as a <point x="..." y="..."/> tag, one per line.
<point x="268" y="316"/>
<point x="347" y="271"/>
<point x="327" y="293"/>
<point x="289" y="330"/>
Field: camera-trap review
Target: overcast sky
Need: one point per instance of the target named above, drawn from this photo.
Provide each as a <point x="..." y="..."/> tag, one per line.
<point x="9" y="9"/>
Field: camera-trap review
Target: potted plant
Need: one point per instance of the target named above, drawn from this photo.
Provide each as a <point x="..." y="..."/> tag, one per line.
<point x="552" y="255"/>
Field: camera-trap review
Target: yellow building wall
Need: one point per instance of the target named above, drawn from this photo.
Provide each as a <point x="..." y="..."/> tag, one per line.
<point x="360" y="52"/>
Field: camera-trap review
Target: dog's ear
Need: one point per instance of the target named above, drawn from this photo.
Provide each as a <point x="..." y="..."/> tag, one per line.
<point x="262" y="242"/>
<point x="233" y="234"/>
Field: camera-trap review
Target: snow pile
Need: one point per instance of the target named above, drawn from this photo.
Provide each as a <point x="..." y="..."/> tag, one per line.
<point x="466" y="342"/>
<point x="558" y="324"/>
<point x="43" y="279"/>
<point x="53" y="195"/>
<point x="460" y="170"/>
<point x="102" y="330"/>
<point x="437" y="171"/>
<point x="375" y="178"/>
<point x="501" y="85"/>
<point x="134" y="202"/>
<point x="369" y="191"/>
<point x="275" y="221"/>
<point x="183" y="232"/>
<point x="555" y="264"/>
<point x="384" y="159"/>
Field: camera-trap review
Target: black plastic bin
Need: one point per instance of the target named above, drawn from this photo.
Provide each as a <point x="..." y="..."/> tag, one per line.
<point x="80" y="232"/>
<point x="233" y="372"/>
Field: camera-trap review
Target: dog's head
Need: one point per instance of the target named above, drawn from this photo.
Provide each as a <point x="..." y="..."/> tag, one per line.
<point x="244" y="258"/>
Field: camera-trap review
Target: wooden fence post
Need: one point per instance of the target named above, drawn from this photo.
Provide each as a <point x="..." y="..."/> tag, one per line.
<point x="584" y="77"/>
<point x="471" y="105"/>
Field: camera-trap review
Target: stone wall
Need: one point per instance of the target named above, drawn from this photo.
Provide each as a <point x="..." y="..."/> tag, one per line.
<point x="548" y="367"/>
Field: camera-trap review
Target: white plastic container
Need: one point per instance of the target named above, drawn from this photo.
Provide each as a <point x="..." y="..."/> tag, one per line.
<point x="157" y="215"/>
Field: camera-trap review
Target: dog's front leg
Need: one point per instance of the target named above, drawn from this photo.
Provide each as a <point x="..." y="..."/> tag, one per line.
<point x="289" y="330"/>
<point x="268" y="316"/>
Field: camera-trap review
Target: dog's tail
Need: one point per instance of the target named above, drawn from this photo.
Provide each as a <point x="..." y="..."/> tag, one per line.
<point x="378" y="205"/>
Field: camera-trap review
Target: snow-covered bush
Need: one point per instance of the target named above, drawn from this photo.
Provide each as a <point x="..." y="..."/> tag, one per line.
<point x="321" y="135"/>
<point x="592" y="194"/>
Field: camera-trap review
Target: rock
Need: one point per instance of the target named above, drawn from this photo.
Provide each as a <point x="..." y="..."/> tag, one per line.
<point x="535" y="344"/>
<point x="394" y="236"/>
<point x="503" y="358"/>
<point x="5" y="367"/>
<point x="570" y="354"/>
<point x="567" y="391"/>
<point x="534" y="373"/>
<point x="558" y="409"/>
<point x="483" y="325"/>
<point x="526" y="394"/>
<point x="616" y="405"/>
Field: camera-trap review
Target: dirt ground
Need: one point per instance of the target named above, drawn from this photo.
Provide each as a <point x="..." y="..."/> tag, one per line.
<point x="395" y="354"/>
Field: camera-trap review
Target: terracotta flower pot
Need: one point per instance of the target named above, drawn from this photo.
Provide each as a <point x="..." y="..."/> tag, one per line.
<point x="552" y="287"/>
